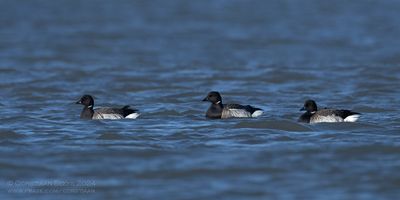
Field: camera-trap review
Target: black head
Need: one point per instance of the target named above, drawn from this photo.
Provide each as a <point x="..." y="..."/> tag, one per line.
<point x="213" y="97"/>
<point x="310" y="106"/>
<point x="86" y="100"/>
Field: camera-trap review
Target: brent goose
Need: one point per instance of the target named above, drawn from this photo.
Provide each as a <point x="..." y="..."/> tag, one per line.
<point x="218" y="110"/>
<point x="104" y="113"/>
<point x="313" y="115"/>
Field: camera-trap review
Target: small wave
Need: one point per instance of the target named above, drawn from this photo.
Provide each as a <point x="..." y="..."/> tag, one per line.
<point x="284" y="125"/>
<point x="283" y="76"/>
<point x="110" y="136"/>
<point x="367" y="109"/>
<point x="346" y="126"/>
<point x="23" y="167"/>
<point x="167" y="113"/>
<point x="206" y="172"/>
<point x="369" y="149"/>
<point x="7" y="134"/>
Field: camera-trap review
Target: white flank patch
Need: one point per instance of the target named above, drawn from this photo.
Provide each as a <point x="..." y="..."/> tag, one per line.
<point x="325" y="119"/>
<point x="228" y="113"/>
<point x="132" y="116"/>
<point x="352" y="118"/>
<point x="107" y="116"/>
<point x="257" y="113"/>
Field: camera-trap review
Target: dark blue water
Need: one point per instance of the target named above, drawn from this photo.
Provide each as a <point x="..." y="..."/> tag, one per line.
<point x="162" y="57"/>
